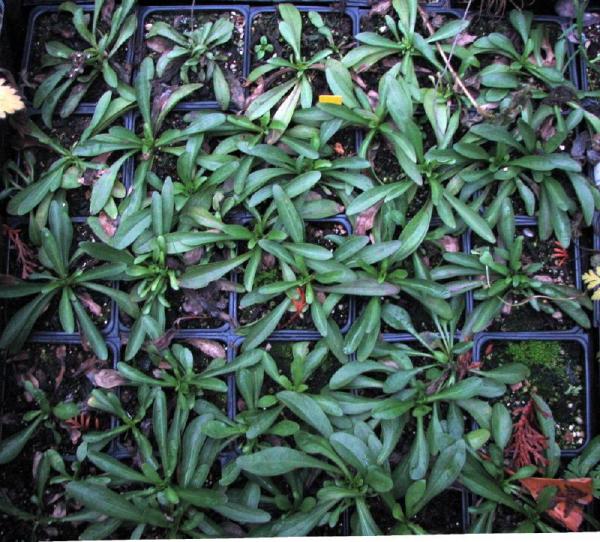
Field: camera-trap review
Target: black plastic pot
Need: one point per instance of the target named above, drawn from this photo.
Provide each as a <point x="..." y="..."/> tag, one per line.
<point x="141" y="51"/>
<point x="532" y="222"/>
<point x="28" y="51"/>
<point x="579" y="338"/>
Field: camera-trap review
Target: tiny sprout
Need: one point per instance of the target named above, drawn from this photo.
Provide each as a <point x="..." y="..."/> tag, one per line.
<point x="263" y="47"/>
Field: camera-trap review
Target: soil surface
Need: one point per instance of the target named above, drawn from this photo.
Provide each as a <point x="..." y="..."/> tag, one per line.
<point x="65" y="373"/>
<point x="231" y="54"/>
<point x="592" y="35"/>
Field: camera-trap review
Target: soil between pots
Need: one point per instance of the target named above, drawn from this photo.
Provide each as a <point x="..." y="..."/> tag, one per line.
<point x="557" y="375"/>
<point x="183" y="21"/>
<point x="58" y="26"/>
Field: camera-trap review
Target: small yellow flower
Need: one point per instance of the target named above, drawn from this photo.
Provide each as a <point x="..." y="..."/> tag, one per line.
<point x="591" y="280"/>
<point x="10" y="101"/>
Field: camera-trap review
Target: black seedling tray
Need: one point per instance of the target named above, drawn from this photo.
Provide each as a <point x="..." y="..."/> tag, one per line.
<point x="116" y="333"/>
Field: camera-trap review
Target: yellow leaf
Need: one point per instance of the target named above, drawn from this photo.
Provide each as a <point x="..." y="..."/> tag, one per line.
<point x="10" y="101"/>
<point x="591" y="279"/>
<point x="330" y="99"/>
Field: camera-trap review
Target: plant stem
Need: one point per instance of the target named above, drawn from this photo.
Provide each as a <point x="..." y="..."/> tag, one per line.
<point x="458" y="81"/>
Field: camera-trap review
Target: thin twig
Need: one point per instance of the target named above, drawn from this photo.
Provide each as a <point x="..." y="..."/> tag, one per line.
<point x="528" y="299"/>
<point x="455" y="76"/>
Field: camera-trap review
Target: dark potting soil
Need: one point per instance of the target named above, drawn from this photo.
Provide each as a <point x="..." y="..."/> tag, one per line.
<point x="557" y="375"/>
<point x="525" y="317"/>
<point x="206" y="308"/>
<point x="443" y="515"/>
<point x="65" y="373"/>
<point x="592" y="35"/>
<point x="267" y="24"/>
<point x="100" y="306"/>
<point x="18" y="486"/>
<point x="68" y="132"/>
<point x="231" y="54"/>
<point x="316" y="232"/>
<point x="59" y="27"/>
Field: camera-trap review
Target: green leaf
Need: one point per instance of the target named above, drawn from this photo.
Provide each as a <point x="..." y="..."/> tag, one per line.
<point x="501" y="425"/>
<point x="288" y="214"/>
<point x="509" y="373"/>
<point x="471" y="218"/>
<point x="89" y="330"/>
<point x="307" y="409"/>
<point x="221" y="87"/>
<point x="12" y="446"/>
<point x="242" y="514"/>
<point x="280" y="460"/>
<point x="265" y="102"/>
<point x="115" y="468"/>
<point x="109" y="503"/>
<point x="362" y="287"/>
<point x="260" y="330"/>
<point x="547" y="162"/>
<point x="200" y="497"/>
<point x="413" y="234"/>
<point x="444" y="472"/>
<point x="200" y="276"/>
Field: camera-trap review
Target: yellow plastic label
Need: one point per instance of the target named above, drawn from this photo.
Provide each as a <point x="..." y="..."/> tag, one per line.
<point x="330" y="99"/>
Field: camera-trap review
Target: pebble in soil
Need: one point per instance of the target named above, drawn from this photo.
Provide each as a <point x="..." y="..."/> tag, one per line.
<point x="525" y="317"/>
<point x="316" y="233"/>
<point x="557" y="375"/>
